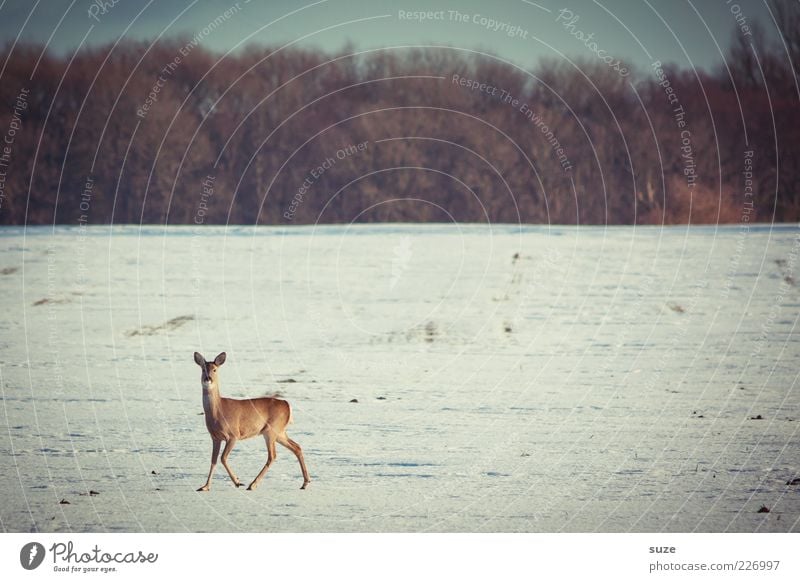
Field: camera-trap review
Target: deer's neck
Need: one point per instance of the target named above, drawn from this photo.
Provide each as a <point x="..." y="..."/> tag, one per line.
<point x="211" y="401"/>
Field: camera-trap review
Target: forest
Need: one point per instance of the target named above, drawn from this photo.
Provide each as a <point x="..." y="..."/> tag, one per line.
<point x="168" y="132"/>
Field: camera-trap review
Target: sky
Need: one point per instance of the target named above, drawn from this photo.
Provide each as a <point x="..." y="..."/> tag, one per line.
<point x="686" y="32"/>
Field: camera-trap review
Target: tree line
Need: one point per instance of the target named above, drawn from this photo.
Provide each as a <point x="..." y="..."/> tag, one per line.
<point x="171" y="133"/>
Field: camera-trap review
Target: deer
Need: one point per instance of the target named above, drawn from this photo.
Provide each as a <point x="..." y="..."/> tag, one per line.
<point x="232" y="420"/>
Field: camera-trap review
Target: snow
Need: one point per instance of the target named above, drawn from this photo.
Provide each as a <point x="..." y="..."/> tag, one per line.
<point x="607" y="379"/>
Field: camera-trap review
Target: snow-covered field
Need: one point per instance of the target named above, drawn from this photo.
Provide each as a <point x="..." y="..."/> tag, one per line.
<point x="605" y="379"/>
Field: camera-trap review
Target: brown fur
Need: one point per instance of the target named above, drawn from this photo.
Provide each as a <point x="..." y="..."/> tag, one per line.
<point x="231" y="420"/>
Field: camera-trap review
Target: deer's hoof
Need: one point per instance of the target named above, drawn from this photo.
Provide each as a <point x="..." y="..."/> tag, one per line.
<point x="203" y="488"/>
<point x="305" y="484"/>
<point x="252" y="487"/>
<point x="239" y="485"/>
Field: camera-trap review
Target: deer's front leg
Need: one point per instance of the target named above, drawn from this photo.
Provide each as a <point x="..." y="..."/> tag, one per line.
<point x="225" y="452"/>
<point x="214" y="456"/>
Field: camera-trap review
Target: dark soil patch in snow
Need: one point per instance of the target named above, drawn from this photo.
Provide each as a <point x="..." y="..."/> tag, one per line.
<point x="50" y="301"/>
<point x="170" y="325"/>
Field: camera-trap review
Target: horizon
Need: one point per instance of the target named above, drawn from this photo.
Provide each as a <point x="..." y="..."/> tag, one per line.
<point x="689" y="35"/>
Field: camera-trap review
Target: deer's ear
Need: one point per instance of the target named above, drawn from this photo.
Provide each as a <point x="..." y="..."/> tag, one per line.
<point x="199" y="360"/>
<point x="220" y="359"/>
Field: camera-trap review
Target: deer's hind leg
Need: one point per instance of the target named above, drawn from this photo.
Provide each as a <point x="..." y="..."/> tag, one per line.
<point x="298" y="452"/>
<point x="269" y="437"/>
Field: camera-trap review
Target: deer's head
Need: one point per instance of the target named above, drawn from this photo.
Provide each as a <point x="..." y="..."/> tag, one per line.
<point x="209" y="375"/>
